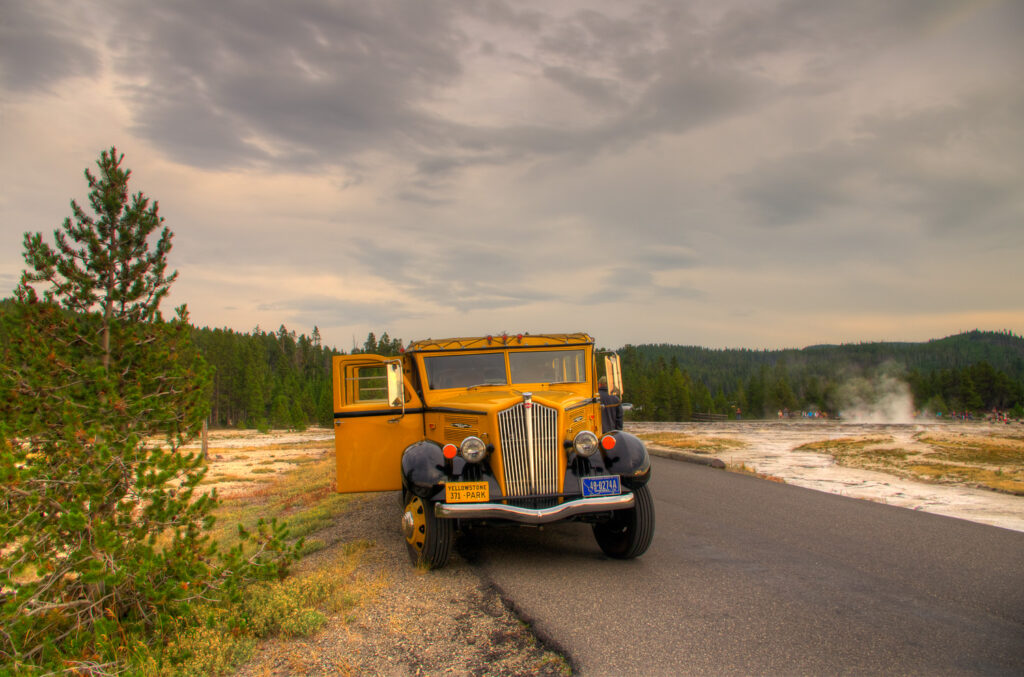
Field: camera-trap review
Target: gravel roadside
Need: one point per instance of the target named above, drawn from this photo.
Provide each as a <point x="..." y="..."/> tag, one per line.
<point x="411" y="621"/>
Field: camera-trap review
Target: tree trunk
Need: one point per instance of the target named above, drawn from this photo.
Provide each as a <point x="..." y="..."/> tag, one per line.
<point x="206" y="441"/>
<point x="108" y="312"/>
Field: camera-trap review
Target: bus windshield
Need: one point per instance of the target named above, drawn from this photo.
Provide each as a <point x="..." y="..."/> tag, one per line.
<point x="547" y="366"/>
<point x="464" y="371"/>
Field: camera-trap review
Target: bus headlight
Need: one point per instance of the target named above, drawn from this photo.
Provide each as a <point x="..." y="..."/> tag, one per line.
<point x="585" y="443"/>
<point x="473" y="449"/>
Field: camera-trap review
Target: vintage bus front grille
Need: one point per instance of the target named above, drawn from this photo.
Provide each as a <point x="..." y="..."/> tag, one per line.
<point x="529" y="471"/>
<point x="458" y="428"/>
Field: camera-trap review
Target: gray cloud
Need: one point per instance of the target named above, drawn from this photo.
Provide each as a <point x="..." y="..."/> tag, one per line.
<point x="664" y="257"/>
<point x="830" y="35"/>
<point x="616" y="285"/>
<point x="903" y="163"/>
<point x="633" y="281"/>
<point x="319" y="311"/>
<point x="454" y="274"/>
<point x="943" y="194"/>
<point x="799" y="187"/>
<point x="714" y="160"/>
<point x="314" y="84"/>
<point x="42" y="43"/>
<point x="7" y="284"/>
<point x="293" y="84"/>
<point x="597" y="91"/>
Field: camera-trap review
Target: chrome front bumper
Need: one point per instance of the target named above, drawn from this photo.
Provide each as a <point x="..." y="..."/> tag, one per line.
<point x="580" y="506"/>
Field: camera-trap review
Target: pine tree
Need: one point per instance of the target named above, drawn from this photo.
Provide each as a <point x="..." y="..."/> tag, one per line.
<point x="102" y="528"/>
<point x="104" y="260"/>
<point x="370" y="344"/>
<point x="255" y="379"/>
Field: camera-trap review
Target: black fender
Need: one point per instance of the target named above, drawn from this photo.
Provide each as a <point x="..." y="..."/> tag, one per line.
<point x="628" y="459"/>
<point x="424" y="469"/>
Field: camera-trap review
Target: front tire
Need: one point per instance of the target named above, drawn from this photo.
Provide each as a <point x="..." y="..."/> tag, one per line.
<point x="628" y="533"/>
<point x="427" y="538"/>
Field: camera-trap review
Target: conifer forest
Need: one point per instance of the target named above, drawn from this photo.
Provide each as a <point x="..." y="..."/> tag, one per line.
<point x="266" y="379"/>
<point x="282" y="379"/>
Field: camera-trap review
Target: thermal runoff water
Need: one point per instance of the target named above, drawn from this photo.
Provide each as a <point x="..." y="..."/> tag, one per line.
<point x="772" y="448"/>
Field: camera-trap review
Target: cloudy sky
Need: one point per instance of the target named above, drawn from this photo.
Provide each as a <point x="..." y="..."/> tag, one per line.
<point x="729" y="174"/>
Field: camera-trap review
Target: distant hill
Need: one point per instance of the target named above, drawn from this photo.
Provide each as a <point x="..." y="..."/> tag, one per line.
<point x="1003" y="351"/>
<point x="976" y="370"/>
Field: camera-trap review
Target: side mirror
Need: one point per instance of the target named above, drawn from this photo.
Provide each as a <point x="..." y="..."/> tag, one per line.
<point x="396" y="385"/>
<point x="613" y="370"/>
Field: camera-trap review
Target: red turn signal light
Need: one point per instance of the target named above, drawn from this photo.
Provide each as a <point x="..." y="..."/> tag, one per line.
<point x="449" y="451"/>
<point x="607" y="442"/>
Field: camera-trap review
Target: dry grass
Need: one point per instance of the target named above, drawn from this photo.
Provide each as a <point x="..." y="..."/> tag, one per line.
<point x="302" y="494"/>
<point x="221" y="478"/>
<point x="744" y="469"/>
<point x="298" y="606"/>
<point x="972" y="475"/>
<point x="235" y="468"/>
<point x="266" y="448"/>
<point x="977" y="449"/>
<point x="696" y="443"/>
<point x="304" y="497"/>
<point x="994" y="461"/>
<point x="293" y="486"/>
<point x="299" y="460"/>
<point x="844" y="444"/>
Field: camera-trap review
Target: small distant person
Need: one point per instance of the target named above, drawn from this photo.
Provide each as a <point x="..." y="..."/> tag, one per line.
<point x="611" y="407"/>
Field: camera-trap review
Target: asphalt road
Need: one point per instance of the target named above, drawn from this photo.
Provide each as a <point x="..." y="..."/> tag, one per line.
<point x="750" y="577"/>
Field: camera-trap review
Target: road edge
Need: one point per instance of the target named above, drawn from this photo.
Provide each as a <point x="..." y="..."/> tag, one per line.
<point x="686" y="457"/>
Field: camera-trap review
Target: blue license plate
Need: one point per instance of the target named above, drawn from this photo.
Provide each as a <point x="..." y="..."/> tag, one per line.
<point x="601" y="486"/>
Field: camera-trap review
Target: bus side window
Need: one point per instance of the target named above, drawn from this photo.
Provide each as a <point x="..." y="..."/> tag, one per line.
<point x="368" y="384"/>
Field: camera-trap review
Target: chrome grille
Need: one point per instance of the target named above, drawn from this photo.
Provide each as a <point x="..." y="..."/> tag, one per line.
<point x="527" y="474"/>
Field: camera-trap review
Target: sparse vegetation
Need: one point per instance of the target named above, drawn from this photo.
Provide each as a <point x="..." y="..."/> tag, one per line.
<point x="695" y="443"/>
<point x="844" y="444"/>
<point x="223" y="479"/>
<point x="991" y="461"/>
<point x="744" y="469"/>
<point x="975" y="449"/>
<point x="213" y="639"/>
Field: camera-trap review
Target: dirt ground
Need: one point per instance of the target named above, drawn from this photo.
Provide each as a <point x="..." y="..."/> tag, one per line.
<point x="445" y="622"/>
<point x="238" y="459"/>
<point x="409" y="621"/>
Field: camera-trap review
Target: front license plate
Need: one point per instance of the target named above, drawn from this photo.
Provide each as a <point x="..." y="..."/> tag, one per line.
<point x="466" y="492"/>
<point x="601" y="486"/>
